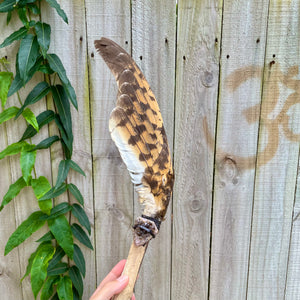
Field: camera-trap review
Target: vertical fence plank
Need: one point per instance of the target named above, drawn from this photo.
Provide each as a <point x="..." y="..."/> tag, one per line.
<point x="292" y="290"/>
<point x="275" y="181"/>
<point x="112" y="187"/>
<point x="199" y="25"/>
<point x="9" y="265"/>
<point x="25" y="203"/>
<point x="243" y="48"/>
<point x="71" y="47"/>
<point x="153" y="48"/>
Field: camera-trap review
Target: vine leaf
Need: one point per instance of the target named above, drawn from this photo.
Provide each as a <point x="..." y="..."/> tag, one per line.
<point x="64" y="288"/>
<point x="38" y="92"/>
<point x="47" y="290"/>
<point x="34" y="9"/>
<point x="63" y="120"/>
<point x="79" y="260"/>
<point x="8" y="18"/>
<point x="59" y="10"/>
<point x="66" y="142"/>
<point x="58" y="210"/>
<point x="63" y="107"/>
<point x="81" y="236"/>
<point x="53" y="192"/>
<point x="7" y="5"/>
<point x="27" y="161"/>
<point x="58" y="269"/>
<point x="59" y="254"/>
<point x="76" y="295"/>
<point x="27" y="55"/>
<point x="25" y="230"/>
<point x="46" y="69"/>
<point x="15" y="36"/>
<point x="40" y="187"/>
<point x="42" y="119"/>
<point x="8" y="113"/>
<point x="30" y="118"/>
<point x="63" y="170"/>
<point x="46" y="143"/>
<point x="47" y="237"/>
<point x="18" y="81"/>
<point x="39" y="267"/>
<point x="16" y="84"/>
<point x="76" y="168"/>
<point x="81" y="216"/>
<point x="61" y="230"/>
<point x="5" y="83"/>
<point x="13" y="190"/>
<point x="43" y="32"/>
<point x="22" y="12"/>
<point x="76" y="278"/>
<point x="30" y="260"/>
<point x="76" y="193"/>
<point x="12" y="149"/>
<point x="57" y="66"/>
<point x="55" y="297"/>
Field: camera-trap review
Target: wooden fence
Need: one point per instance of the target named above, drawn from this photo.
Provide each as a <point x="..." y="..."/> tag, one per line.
<point x="226" y="76"/>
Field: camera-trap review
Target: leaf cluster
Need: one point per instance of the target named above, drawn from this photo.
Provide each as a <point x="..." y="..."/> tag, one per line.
<point x="57" y="267"/>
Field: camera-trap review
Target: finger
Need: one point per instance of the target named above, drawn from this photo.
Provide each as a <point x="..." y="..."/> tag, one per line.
<point x="114" y="273"/>
<point x="111" y="288"/>
<point x="133" y="297"/>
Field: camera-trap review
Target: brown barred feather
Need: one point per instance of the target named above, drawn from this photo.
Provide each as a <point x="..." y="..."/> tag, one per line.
<point x="137" y="128"/>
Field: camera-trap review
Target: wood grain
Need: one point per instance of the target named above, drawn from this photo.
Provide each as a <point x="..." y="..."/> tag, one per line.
<point x="292" y="288"/>
<point x="25" y="203"/>
<point x="72" y="50"/>
<point x="10" y="268"/>
<point x="236" y="144"/>
<point x="275" y="182"/>
<point x="153" y="49"/>
<point x="197" y="71"/>
<point x="113" y="191"/>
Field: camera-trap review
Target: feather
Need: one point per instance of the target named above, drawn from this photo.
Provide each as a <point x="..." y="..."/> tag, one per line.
<point x="136" y="127"/>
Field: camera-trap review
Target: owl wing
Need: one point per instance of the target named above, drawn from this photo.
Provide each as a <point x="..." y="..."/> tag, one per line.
<point x="136" y="126"/>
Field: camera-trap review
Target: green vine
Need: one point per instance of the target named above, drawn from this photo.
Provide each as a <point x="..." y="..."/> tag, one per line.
<point x="57" y="266"/>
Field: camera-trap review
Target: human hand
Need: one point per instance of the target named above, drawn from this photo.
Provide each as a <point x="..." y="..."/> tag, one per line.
<point x="113" y="284"/>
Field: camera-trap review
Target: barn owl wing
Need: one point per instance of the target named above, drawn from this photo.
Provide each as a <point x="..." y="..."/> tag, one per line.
<point x="136" y="126"/>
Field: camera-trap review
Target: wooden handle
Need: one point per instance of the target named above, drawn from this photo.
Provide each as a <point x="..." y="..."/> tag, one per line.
<point x="132" y="266"/>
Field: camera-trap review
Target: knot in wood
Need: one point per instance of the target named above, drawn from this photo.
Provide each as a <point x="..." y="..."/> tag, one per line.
<point x="228" y="170"/>
<point x="207" y="78"/>
<point x="117" y="213"/>
<point x="195" y="205"/>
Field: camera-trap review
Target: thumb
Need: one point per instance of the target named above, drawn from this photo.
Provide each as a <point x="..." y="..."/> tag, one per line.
<point x="113" y="287"/>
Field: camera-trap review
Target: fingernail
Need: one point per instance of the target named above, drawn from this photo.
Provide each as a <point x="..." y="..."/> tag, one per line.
<point x="122" y="278"/>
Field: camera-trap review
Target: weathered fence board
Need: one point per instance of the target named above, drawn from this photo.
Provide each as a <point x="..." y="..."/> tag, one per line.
<point x="73" y="52"/>
<point x="113" y="192"/>
<point x="153" y="48"/>
<point x="226" y="77"/>
<point x="242" y="60"/>
<point x="292" y="290"/>
<point x="277" y="160"/>
<point x="10" y="265"/>
<point x="24" y="203"/>
<point x="199" y="33"/>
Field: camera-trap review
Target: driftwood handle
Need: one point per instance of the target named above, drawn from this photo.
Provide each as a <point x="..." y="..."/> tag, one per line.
<point x="132" y="266"/>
